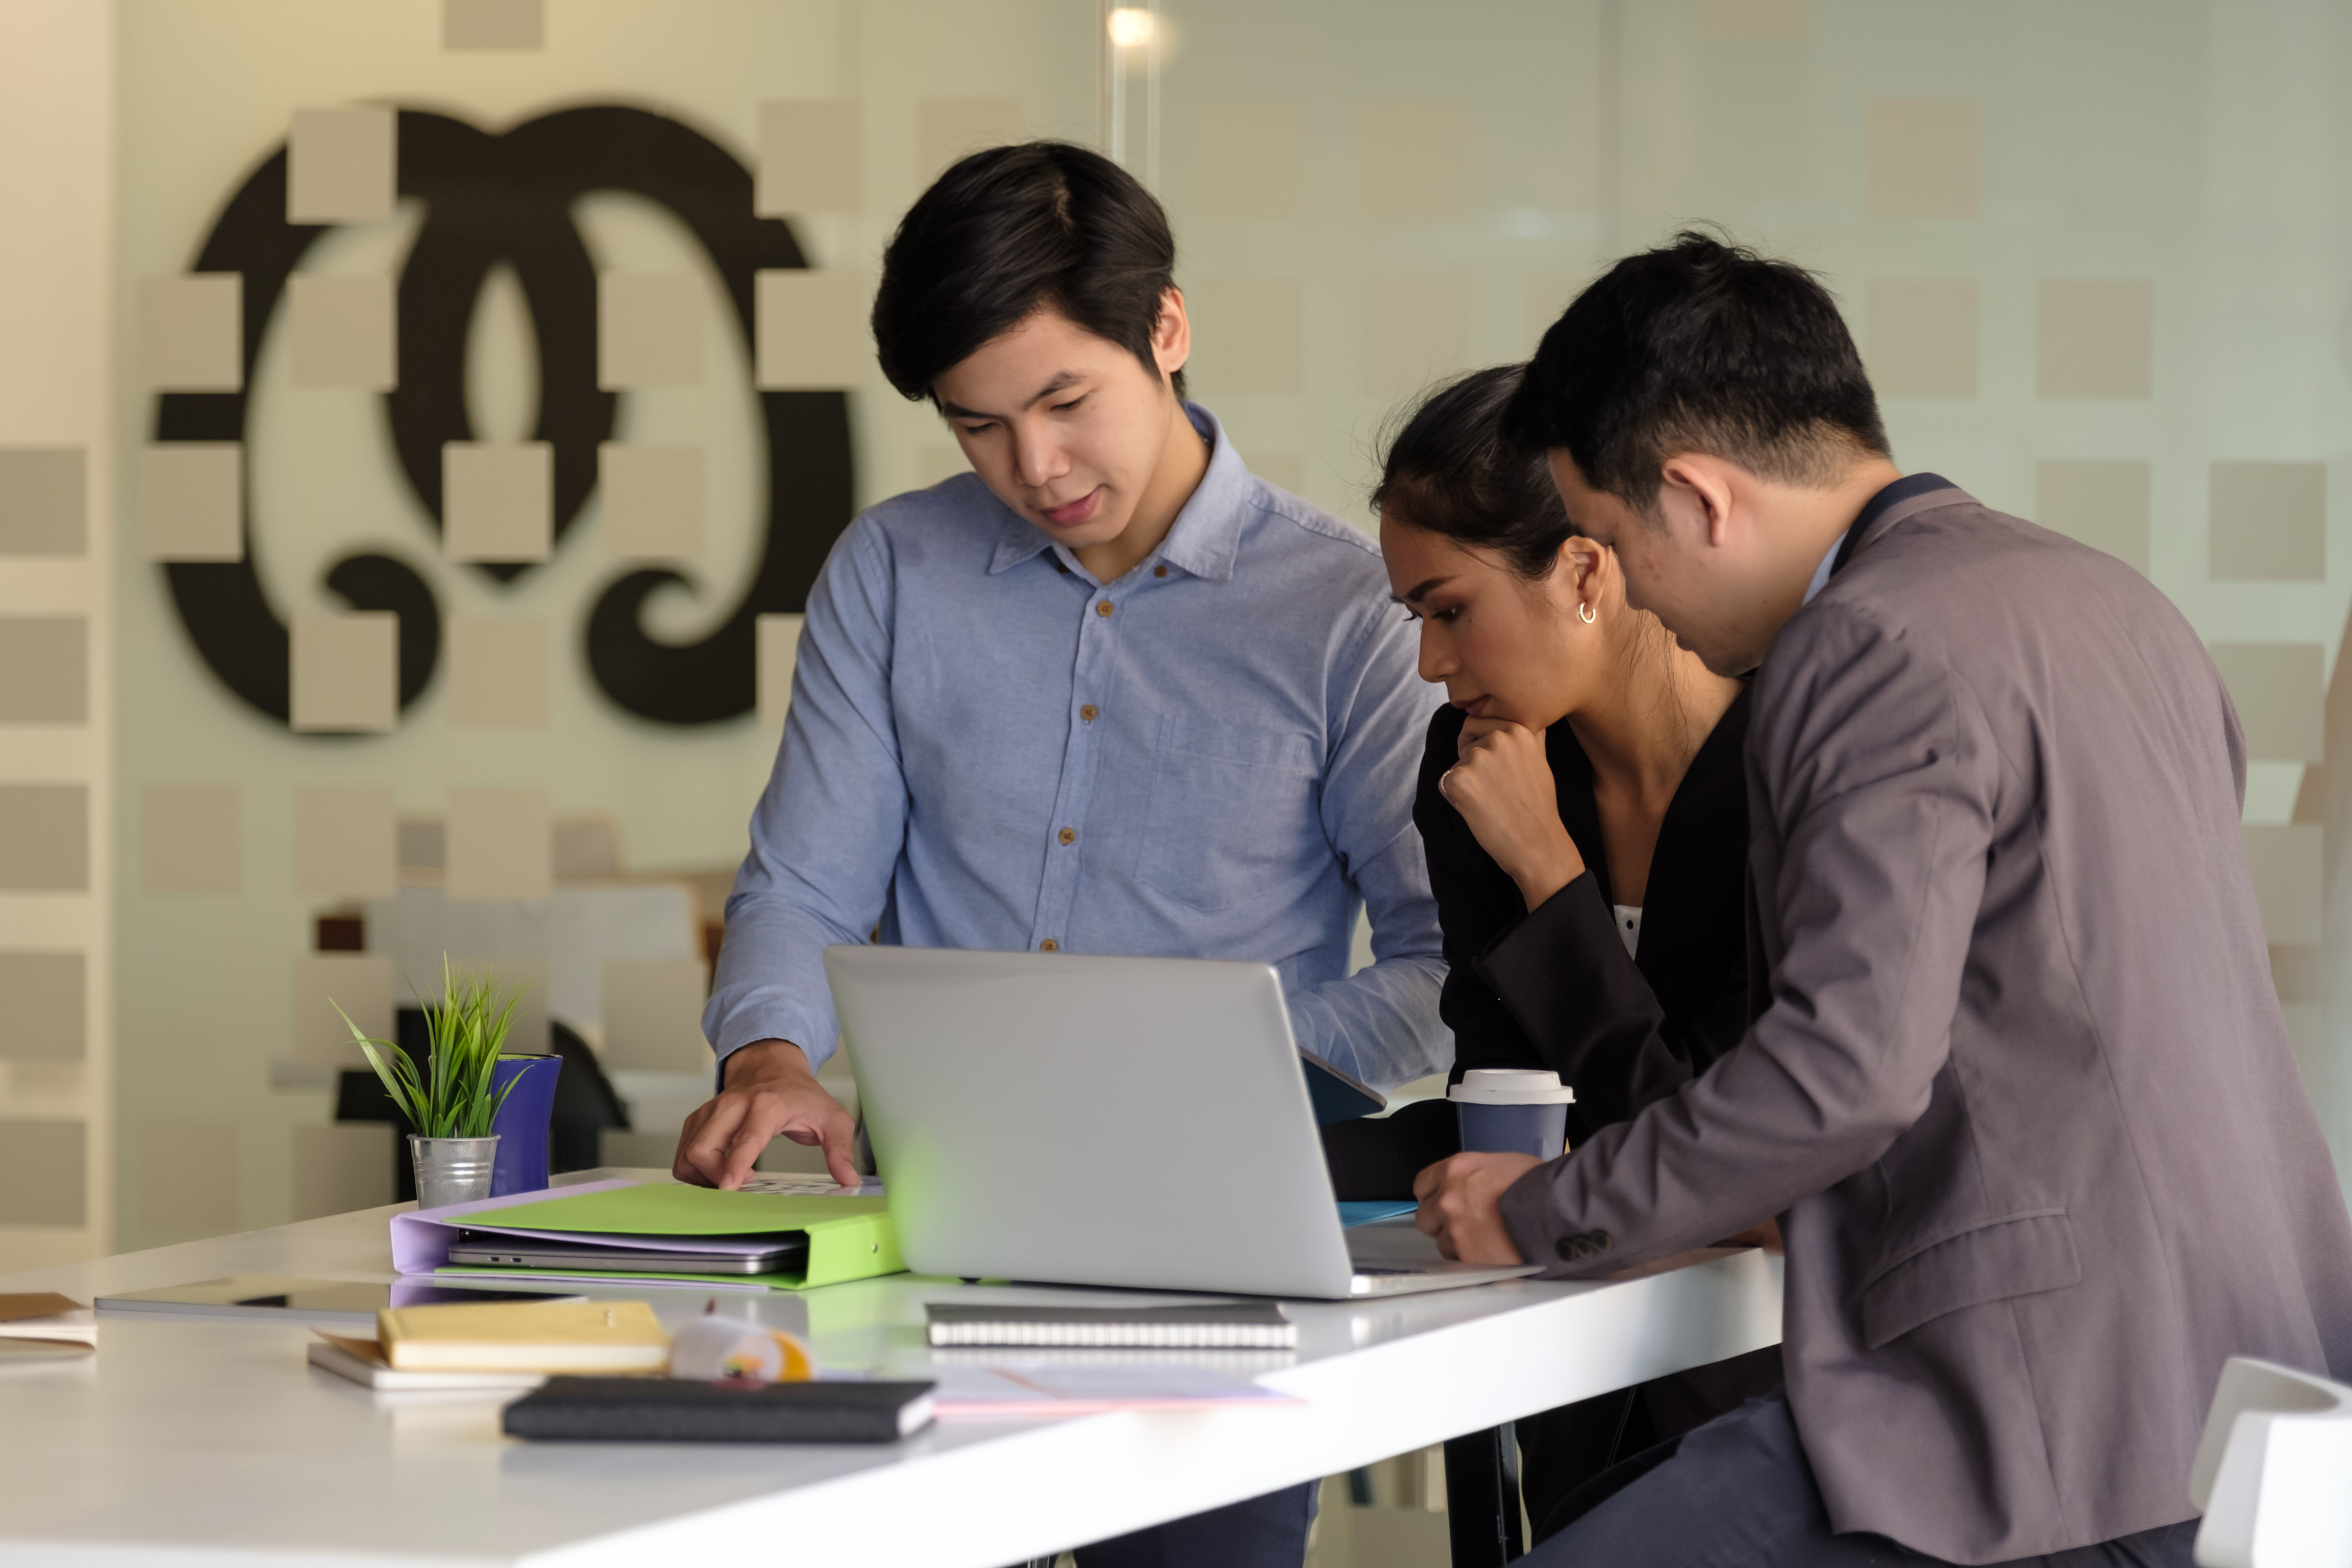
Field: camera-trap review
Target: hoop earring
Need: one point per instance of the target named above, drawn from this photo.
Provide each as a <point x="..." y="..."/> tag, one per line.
<point x="1584" y="613"/>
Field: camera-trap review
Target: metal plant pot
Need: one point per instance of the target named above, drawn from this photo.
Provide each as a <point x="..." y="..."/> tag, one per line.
<point x="452" y="1170"/>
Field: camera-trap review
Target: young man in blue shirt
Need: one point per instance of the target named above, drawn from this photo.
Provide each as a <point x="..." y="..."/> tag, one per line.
<point x="1109" y="693"/>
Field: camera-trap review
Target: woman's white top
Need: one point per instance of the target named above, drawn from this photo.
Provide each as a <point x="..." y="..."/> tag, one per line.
<point x="1629" y="926"/>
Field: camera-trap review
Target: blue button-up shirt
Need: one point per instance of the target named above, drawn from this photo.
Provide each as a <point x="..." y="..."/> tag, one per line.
<point x="1213" y="757"/>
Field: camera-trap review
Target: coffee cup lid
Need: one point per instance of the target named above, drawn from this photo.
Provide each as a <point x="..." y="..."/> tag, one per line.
<point x="1510" y="1086"/>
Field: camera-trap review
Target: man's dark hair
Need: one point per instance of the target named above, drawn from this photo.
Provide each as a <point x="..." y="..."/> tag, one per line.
<point x="1005" y="231"/>
<point x="1699" y="346"/>
<point x="1449" y="471"/>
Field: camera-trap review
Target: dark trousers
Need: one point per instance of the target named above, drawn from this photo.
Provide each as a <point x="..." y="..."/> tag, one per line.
<point x="1559" y="1449"/>
<point x="1562" y="1449"/>
<point x="1739" y="1492"/>
<point x="1267" y="1531"/>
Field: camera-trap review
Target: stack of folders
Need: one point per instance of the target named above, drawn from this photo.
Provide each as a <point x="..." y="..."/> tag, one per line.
<point x="656" y="1234"/>
<point x="1213" y="1325"/>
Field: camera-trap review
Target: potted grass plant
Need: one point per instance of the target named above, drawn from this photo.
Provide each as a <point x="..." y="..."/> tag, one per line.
<point x="454" y="1101"/>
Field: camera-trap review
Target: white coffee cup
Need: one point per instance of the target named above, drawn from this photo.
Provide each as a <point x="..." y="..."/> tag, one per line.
<point x="1512" y="1110"/>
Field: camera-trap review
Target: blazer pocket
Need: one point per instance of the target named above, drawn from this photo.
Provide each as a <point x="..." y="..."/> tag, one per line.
<point x="2018" y="1255"/>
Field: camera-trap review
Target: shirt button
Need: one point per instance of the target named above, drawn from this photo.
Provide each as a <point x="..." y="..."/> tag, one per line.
<point x="1089" y="712"/>
<point x="1049" y="945"/>
<point x="1103" y="608"/>
<point x="1067" y="835"/>
<point x="1159" y="571"/>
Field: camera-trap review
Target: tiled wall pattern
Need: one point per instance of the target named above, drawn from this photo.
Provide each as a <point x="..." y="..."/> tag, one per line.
<point x="468" y="26"/>
<point x="340" y="165"/>
<point x="2096" y="298"/>
<point x="649" y="331"/>
<point x="343" y="330"/>
<point x="509" y="818"/>
<point x="191" y="838"/>
<point x="2079" y="301"/>
<point x="189" y="333"/>
<point x="346" y="671"/>
<point x="499" y="501"/>
<point x="655" y="500"/>
<point x="57" y="627"/>
<point x="810" y="157"/>
<point x="188" y="498"/>
<point x="811" y="331"/>
<point x="497" y="672"/>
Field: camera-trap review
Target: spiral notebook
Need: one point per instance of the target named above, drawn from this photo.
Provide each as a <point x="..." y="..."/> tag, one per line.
<point x="1212" y="1325"/>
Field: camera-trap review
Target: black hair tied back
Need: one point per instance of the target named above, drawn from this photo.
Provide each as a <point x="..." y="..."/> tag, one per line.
<point x="1450" y="471"/>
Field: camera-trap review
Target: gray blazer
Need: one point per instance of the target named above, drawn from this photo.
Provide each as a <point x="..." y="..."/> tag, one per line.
<point x="2022" y="1097"/>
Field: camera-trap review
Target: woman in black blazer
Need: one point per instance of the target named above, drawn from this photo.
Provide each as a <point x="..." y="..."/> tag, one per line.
<point x="1584" y="809"/>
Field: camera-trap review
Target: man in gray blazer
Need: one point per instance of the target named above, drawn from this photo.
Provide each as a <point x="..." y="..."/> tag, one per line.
<point x="2020" y="1094"/>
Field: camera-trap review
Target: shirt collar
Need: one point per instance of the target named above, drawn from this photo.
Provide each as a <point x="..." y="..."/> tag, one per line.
<point x="1206" y="535"/>
<point x="1829" y="563"/>
<point x="1876" y="506"/>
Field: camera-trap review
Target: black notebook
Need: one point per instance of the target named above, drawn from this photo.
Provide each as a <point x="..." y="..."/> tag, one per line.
<point x="673" y="1410"/>
<point x="1213" y="1325"/>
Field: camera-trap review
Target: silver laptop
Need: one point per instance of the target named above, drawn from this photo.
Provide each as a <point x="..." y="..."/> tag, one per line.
<point x="1139" y="1122"/>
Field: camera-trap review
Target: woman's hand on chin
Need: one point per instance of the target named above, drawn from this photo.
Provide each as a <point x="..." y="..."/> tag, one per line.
<point x="1504" y="789"/>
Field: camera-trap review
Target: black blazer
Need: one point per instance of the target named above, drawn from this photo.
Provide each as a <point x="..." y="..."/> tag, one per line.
<point x="1551" y="986"/>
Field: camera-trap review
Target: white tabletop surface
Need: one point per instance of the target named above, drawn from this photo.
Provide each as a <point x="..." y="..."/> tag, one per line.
<point x="188" y="1439"/>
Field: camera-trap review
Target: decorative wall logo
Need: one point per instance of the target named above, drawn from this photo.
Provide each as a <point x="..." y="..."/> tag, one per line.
<point x="491" y="198"/>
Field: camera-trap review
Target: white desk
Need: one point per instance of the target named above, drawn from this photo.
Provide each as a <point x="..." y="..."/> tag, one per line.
<point x="192" y="1440"/>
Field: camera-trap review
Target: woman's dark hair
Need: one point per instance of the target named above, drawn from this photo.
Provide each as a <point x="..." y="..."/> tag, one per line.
<point x="1699" y="346"/>
<point x="1450" y="471"/>
<point x="1005" y="231"/>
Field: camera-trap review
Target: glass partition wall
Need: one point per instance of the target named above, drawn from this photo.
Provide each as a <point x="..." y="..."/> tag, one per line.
<point x="489" y="379"/>
<point x="2094" y="254"/>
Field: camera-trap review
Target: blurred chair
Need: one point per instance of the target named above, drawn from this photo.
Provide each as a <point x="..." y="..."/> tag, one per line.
<point x="586" y="1105"/>
<point x="602" y="941"/>
<point x="2273" y="1470"/>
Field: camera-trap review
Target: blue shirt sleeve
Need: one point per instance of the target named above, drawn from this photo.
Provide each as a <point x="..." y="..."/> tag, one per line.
<point x="1381" y="1023"/>
<point x="828" y="831"/>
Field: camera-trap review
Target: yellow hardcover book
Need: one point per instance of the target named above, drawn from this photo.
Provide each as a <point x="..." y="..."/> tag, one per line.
<point x="524" y="1336"/>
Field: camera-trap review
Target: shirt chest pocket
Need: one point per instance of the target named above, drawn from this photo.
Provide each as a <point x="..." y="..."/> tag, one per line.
<point x="1234" y="812"/>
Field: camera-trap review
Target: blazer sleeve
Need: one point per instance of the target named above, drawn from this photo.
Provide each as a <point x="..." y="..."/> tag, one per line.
<point x="1563" y="975"/>
<point x="1883" y="783"/>
<point x="1475" y="902"/>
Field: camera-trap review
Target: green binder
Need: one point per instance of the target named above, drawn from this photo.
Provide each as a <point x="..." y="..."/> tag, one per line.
<point x="849" y="1238"/>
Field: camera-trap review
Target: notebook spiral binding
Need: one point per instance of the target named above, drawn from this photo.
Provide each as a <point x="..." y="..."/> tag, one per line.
<point x="1118" y="1336"/>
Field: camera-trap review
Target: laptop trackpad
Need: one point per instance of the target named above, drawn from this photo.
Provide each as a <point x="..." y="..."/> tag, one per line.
<point x="1391" y="1243"/>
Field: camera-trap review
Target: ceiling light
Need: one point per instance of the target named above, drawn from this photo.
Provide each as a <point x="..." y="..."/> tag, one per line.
<point x="1131" y="27"/>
